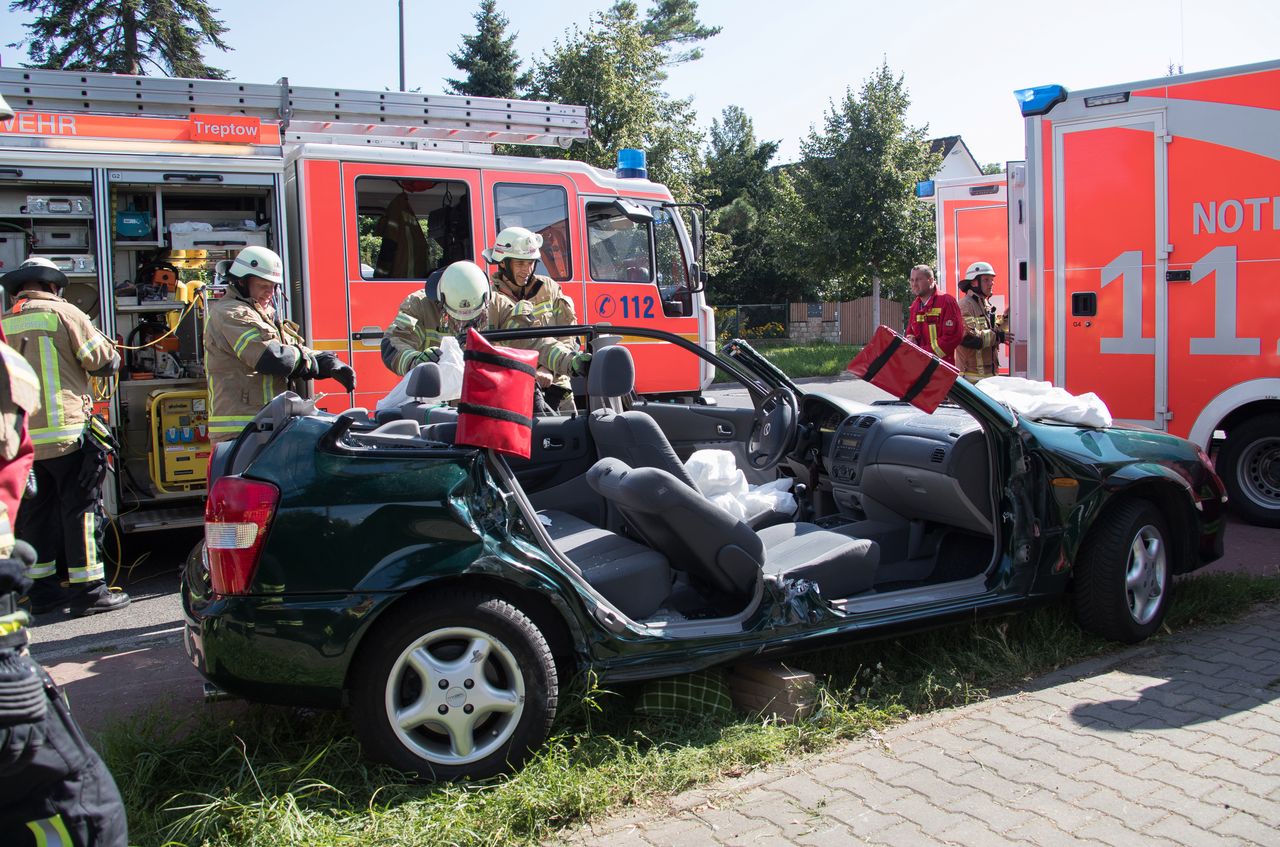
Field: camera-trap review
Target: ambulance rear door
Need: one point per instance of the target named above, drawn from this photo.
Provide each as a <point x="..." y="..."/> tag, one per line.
<point x="1109" y="232"/>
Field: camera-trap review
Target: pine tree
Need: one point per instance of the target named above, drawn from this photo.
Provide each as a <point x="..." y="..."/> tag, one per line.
<point x="126" y="37"/>
<point x="489" y="58"/>
<point x="674" y="25"/>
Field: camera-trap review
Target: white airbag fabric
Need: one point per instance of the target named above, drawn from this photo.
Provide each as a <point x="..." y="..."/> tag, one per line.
<point x="718" y="478"/>
<point x="450" y="378"/>
<point x="1036" y="399"/>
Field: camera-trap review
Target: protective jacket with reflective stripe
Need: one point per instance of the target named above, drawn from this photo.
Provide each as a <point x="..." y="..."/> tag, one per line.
<point x="540" y="302"/>
<point x="238" y="333"/>
<point x="980" y="328"/>
<point x="64" y="349"/>
<point x="422" y="321"/>
<point x="936" y="325"/>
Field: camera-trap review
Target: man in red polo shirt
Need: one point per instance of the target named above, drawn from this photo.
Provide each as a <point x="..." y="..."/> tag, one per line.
<point x="935" y="322"/>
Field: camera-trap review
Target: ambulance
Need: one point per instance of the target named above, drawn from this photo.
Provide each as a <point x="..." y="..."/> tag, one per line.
<point x="142" y="188"/>
<point x="1144" y="246"/>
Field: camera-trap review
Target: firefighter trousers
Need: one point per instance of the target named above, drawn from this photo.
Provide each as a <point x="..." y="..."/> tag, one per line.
<point x="54" y="789"/>
<point x="63" y="520"/>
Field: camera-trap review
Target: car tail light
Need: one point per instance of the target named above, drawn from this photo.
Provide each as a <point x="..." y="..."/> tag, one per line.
<point x="236" y="519"/>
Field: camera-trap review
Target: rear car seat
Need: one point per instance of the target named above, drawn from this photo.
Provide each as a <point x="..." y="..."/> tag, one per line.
<point x="631" y="576"/>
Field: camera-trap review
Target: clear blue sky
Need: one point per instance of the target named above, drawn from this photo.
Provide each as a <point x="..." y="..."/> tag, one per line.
<point x="782" y="62"/>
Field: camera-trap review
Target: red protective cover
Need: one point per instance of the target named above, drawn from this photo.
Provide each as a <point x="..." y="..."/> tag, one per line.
<point x="906" y="371"/>
<point x="496" y="407"/>
<point x="13" y="474"/>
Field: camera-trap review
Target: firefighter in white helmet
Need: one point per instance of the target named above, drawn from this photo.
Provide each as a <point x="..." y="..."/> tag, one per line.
<point x="455" y="299"/>
<point x="250" y="354"/>
<point x="978" y="353"/>
<point x="538" y="299"/>
<point x="63" y="521"/>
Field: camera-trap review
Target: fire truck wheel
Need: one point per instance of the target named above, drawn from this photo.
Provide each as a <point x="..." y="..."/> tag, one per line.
<point x="1123" y="577"/>
<point x="1249" y="464"/>
<point x="463" y="686"/>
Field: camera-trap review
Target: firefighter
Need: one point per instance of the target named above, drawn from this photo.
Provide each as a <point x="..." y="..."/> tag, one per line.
<point x="978" y="354"/>
<point x="54" y="789"/>
<point x="63" y="520"/>
<point x="250" y="354"/>
<point x="538" y="299"/>
<point x="935" y="322"/>
<point x="454" y="300"/>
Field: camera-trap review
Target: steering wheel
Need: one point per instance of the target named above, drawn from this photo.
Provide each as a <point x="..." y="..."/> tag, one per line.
<point x="773" y="429"/>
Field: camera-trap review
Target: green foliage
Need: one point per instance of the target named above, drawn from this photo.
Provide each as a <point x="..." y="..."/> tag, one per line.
<point x="267" y="776"/>
<point x="615" y="69"/>
<point x="489" y="58"/>
<point x="673" y="25"/>
<point x="805" y="360"/>
<point x="122" y="37"/>
<point x="858" y="179"/>
<point x="993" y="168"/>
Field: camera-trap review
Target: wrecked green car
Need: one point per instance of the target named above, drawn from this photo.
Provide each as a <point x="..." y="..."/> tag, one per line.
<point x="446" y="594"/>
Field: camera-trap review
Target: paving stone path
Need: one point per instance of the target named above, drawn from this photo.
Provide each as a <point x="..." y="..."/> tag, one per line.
<point x="1170" y="743"/>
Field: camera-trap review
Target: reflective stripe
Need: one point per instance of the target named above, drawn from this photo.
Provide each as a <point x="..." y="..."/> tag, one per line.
<point x="228" y="424"/>
<point x="92" y="344"/>
<point x="16" y="622"/>
<point x="92" y="569"/>
<point x="243" y="341"/>
<point x="52" y="381"/>
<point x="50" y="832"/>
<point x="59" y="435"/>
<point x="40" y="570"/>
<point x="268" y="388"/>
<point x="36" y="320"/>
<point x="933" y="341"/>
<point x="406" y="360"/>
<point x="555" y="356"/>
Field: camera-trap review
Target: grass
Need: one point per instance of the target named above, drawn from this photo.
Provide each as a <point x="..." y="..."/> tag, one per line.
<point x="278" y="776"/>
<point x="797" y="361"/>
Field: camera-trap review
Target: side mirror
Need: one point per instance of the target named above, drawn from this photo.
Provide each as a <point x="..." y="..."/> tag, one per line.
<point x="424" y="381"/>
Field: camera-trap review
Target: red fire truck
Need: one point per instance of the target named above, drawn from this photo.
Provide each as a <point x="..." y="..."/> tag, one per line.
<point x="139" y="186"/>
<point x="1144" y="240"/>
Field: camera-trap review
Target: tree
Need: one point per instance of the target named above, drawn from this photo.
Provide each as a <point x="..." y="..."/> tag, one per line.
<point x="615" y="69"/>
<point x="674" y="25"/>
<point x="858" y="178"/>
<point x="122" y="37"/>
<point x="489" y="58"/>
<point x="993" y="168"/>
<point x="736" y="163"/>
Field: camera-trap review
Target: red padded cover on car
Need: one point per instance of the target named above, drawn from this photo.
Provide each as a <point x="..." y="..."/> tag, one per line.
<point x="496" y="407"/>
<point x="906" y="371"/>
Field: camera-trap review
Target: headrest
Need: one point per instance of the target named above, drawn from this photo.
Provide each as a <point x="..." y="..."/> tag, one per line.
<point x="612" y="373"/>
<point x="424" y="381"/>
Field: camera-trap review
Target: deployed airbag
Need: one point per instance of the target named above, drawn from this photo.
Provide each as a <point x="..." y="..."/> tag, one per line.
<point x="1036" y="399"/>
<point x="717" y="476"/>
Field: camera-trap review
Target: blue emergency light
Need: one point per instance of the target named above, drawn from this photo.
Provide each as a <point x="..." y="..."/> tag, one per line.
<point x="631" y="164"/>
<point x="1039" y="100"/>
<point x="925" y="188"/>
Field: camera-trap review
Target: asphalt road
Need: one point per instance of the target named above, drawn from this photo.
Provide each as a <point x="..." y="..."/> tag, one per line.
<point x="111" y="662"/>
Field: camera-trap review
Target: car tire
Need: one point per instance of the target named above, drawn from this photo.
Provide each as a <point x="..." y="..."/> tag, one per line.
<point x="418" y="704"/>
<point x="1249" y="464"/>
<point x="1124" y="573"/>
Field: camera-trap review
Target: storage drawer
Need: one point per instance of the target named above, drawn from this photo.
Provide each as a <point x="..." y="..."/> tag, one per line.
<point x="219" y="239"/>
<point x="58" y="204"/>
<point x="13" y="249"/>
<point x="63" y="237"/>
<point x="74" y="263"/>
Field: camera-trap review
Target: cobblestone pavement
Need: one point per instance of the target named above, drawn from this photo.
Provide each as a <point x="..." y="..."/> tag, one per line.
<point x="1176" y="742"/>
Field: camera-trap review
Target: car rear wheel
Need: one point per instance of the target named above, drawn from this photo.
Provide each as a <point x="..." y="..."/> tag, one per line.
<point x="1249" y="464"/>
<point x="463" y="687"/>
<point x="1123" y="576"/>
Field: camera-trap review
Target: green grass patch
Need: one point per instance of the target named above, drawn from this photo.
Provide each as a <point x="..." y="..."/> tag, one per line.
<point x="797" y="361"/>
<point x="278" y="776"/>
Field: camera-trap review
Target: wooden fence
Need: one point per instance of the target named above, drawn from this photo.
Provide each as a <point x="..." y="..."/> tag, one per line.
<point x="850" y="322"/>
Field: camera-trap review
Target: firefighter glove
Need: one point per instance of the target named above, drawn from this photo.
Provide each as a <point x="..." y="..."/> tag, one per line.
<point x="973" y="342"/>
<point x="329" y="365"/>
<point x="432" y="354"/>
<point x="578" y="363"/>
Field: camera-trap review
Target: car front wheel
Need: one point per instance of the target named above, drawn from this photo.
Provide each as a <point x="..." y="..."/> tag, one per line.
<point x="463" y="687"/>
<point x="1123" y="577"/>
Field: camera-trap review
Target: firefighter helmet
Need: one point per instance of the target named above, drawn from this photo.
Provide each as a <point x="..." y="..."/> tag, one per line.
<point x="35" y="269"/>
<point x="514" y="242"/>
<point x="464" y="291"/>
<point x="977" y="269"/>
<point x="259" y="262"/>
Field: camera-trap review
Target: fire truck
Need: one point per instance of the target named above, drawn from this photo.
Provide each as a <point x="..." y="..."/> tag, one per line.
<point x="142" y="189"/>
<point x="1144" y="236"/>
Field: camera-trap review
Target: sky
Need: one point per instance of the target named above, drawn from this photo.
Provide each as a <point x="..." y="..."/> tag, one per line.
<point x="783" y="63"/>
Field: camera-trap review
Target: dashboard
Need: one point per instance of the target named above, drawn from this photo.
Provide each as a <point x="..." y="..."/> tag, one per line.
<point x="893" y="457"/>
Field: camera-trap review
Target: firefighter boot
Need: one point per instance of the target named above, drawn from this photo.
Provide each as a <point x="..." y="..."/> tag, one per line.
<point x="47" y="595"/>
<point x="96" y="598"/>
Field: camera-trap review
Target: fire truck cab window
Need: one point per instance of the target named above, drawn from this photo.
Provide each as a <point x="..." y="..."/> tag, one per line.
<point x="545" y="210"/>
<point x="410" y="227"/>
<point x="618" y="248"/>
<point x="672" y="268"/>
